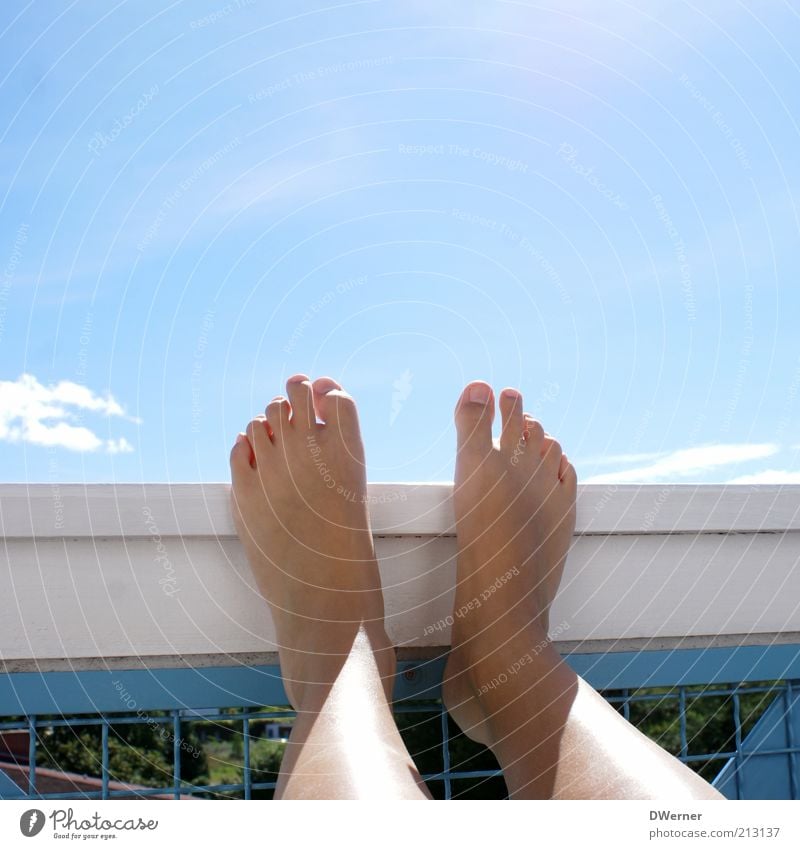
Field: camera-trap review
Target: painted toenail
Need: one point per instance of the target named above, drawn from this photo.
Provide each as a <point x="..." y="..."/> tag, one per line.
<point x="479" y="394"/>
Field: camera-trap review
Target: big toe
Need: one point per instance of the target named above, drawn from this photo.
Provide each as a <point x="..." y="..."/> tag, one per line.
<point x="474" y="416"/>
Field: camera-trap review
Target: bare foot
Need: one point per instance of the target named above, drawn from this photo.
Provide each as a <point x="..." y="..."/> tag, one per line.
<point x="505" y="684"/>
<point x="299" y="499"/>
<point x="515" y="516"/>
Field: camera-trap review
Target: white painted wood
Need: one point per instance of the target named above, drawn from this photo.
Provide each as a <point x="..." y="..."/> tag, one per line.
<point x="99" y="574"/>
<point x="78" y="510"/>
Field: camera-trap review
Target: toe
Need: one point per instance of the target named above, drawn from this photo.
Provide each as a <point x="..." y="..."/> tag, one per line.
<point x="534" y="431"/>
<point x="301" y="396"/>
<point x="513" y="421"/>
<point x="241" y="459"/>
<point x="567" y="474"/>
<point x="551" y="451"/>
<point x="278" y="411"/>
<point x="474" y="416"/>
<point x="334" y="406"/>
<point x="259" y="436"/>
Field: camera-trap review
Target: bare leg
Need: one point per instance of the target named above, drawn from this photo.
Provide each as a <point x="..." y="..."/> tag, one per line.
<point x="299" y="500"/>
<point x="505" y="685"/>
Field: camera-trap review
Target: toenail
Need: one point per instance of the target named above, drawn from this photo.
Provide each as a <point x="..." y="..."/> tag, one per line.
<point x="479" y="394"/>
<point x="511" y="393"/>
<point x="239" y="437"/>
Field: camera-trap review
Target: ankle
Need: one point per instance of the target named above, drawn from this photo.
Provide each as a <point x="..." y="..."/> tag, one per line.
<point x="498" y="671"/>
<point x="497" y="639"/>
<point x="365" y="651"/>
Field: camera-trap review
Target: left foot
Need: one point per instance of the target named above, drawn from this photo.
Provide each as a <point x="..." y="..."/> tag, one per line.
<point x="300" y="504"/>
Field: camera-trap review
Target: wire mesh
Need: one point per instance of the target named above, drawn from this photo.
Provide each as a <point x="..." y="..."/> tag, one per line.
<point x="705" y="727"/>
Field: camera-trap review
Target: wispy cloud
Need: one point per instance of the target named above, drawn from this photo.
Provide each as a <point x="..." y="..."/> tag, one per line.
<point x="621" y="459"/>
<point x="287" y="184"/>
<point x="689" y="462"/>
<point x="774" y="476"/>
<point x="51" y="415"/>
<point x="402" y="388"/>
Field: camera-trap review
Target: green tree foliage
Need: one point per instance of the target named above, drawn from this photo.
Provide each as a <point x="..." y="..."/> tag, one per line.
<point x="139" y="753"/>
<point x="265" y="764"/>
<point x="710" y="724"/>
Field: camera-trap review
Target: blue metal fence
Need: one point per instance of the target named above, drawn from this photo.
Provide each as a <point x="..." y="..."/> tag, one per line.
<point x="758" y="761"/>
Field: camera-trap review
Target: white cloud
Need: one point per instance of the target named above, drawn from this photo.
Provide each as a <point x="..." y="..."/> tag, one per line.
<point x="621" y="459"/>
<point x="46" y="415"/>
<point x="774" y="476"/>
<point x="689" y="461"/>
<point x="119" y="446"/>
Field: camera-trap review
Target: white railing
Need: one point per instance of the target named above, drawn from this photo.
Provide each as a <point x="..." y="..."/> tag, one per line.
<point x="99" y="576"/>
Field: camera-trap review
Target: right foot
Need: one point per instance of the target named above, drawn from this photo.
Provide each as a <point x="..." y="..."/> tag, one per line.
<point x="300" y="505"/>
<point x="515" y="515"/>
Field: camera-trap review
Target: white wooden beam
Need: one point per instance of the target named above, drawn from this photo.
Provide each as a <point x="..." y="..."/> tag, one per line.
<point x="78" y="510"/>
<point x="103" y="575"/>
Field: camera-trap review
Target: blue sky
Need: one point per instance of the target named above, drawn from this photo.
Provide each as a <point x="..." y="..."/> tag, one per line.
<point x="597" y="205"/>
